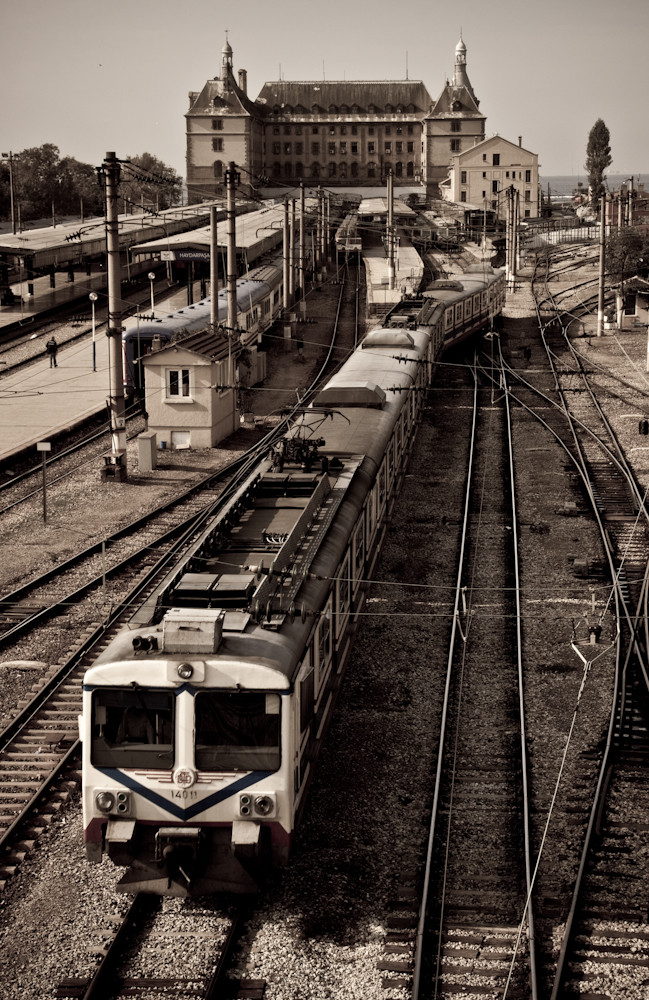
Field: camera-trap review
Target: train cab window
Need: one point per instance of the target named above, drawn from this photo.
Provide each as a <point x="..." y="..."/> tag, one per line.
<point x="132" y="728"/>
<point x="237" y="731"/>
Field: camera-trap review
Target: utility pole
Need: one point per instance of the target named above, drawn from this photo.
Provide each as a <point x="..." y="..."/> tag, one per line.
<point x="291" y="250"/>
<point x="602" y="265"/>
<point x="301" y="290"/>
<point x="214" y="269"/>
<point x="390" y="232"/>
<point x="116" y="462"/>
<point x="10" y="156"/>
<point x="285" y="258"/>
<point x="232" y="178"/>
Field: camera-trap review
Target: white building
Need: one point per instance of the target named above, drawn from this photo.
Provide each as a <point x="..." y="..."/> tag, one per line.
<point x="479" y="176"/>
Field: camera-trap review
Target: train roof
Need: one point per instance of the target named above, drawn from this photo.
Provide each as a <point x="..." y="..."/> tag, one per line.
<point x="250" y="292"/>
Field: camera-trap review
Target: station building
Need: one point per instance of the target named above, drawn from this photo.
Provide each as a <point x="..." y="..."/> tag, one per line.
<point x="478" y="177"/>
<point x="335" y="133"/>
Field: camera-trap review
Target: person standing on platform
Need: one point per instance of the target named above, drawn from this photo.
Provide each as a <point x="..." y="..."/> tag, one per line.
<point x="52" y="348"/>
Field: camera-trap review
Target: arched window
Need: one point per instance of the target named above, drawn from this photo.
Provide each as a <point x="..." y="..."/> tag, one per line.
<point x="315" y="169"/>
<point x="343" y="171"/>
<point x="371" y="169"/>
<point x="299" y="170"/>
<point x="410" y="169"/>
<point x="333" y="110"/>
<point x="388" y="109"/>
<point x="354" y="169"/>
<point x="332" y="169"/>
<point x="398" y="169"/>
<point x="218" y="168"/>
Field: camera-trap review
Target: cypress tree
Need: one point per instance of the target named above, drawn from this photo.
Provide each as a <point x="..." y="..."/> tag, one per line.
<point x="598" y="158"/>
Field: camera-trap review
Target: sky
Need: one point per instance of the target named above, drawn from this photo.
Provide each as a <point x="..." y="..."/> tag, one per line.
<point x="93" y="76"/>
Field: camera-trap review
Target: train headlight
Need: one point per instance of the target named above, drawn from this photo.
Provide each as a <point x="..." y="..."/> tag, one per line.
<point x="105" y="801"/>
<point x="264" y="805"/>
<point x="113" y="802"/>
<point x="185" y="671"/>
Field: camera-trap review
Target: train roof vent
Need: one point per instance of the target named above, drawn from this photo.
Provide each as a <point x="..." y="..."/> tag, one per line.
<point x="360" y="394"/>
<point x="192" y="631"/>
<point x="446" y="286"/>
<point x="389" y="338"/>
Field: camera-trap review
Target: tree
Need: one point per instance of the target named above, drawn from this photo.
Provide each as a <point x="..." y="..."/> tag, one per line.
<point x="147" y="182"/>
<point x="598" y="158"/>
<point x="627" y="250"/>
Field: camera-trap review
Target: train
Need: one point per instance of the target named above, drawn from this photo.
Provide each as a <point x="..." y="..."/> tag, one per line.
<point x="260" y="299"/>
<point x="203" y="718"/>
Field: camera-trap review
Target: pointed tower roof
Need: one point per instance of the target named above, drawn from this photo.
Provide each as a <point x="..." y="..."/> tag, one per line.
<point x="457" y="98"/>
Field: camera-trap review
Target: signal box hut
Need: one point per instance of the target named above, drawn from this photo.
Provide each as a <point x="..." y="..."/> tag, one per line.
<point x="189" y="391"/>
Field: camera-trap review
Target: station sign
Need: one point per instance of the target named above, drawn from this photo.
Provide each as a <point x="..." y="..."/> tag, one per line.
<point x="184" y="255"/>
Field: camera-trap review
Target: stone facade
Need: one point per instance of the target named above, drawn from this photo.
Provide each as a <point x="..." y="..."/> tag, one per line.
<point x="335" y="133"/>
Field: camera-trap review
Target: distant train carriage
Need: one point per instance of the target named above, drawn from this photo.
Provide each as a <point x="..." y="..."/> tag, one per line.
<point x="203" y="719"/>
<point x="259" y="303"/>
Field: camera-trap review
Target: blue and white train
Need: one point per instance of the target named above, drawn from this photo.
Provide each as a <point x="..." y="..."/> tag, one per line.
<point x="203" y="719"/>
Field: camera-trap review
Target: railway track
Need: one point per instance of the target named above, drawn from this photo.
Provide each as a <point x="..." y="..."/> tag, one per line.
<point x="597" y="912"/>
<point x="474" y="926"/>
<point x="166" y="948"/>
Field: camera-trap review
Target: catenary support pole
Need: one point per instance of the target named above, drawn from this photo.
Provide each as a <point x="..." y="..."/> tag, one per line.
<point x="116" y="464"/>
<point x="602" y="265"/>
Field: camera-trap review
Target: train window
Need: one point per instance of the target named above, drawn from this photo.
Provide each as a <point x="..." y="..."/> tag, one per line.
<point x="132" y="728"/>
<point x="343" y="590"/>
<point x="448" y="318"/>
<point x="306" y="698"/>
<point x="237" y="731"/>
<point x="381" y="483"/>
<point x="324" y="639"/>
<point x="359" y="552"/>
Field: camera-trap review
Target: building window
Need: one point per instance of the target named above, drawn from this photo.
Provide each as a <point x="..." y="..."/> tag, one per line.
<point x="314" y="130"/>
<point x="275" y="129"/>
<point x="370" y="147"/>
<point x="371" y="169"/>
<point x="343" y="149"/>
<point x="463" y="177"/>
<point x="507" y="174"/>
<point x="287" y="130"/>
<point x="217" y="145"/>
<point x="484" y="157"/>
<point x="399" y="147"/>
<point x="354" y="129"/>
<point x="496" y="160"/>
<point x="354" y="170"/>
<point x="528" y="176"/>
<point x="298" y="149"/>
<point x="332" y="130"/>
<point x="276" y="148"/>
<point x="410" y="169"/>
<point x="287" y="170"/>
<point x="177" y="383"/>
<point x="462" y="195"/>
<point x="354" y="148"/>
<point x="343" y="130"/>
<point x="388" y="147"/>
<point x="398" y="168"/>
<point x="410" y="147"/>
<point x="399" y="130"/>
<point x="455" y="126"/>
<point x="298" y="130"/>
<point x="370" y="130"/>
<point x="484" y="174"/>
<point x="455" y="145"/>
<point x="287" y="149"/>
<point x="494" y="187"/>
<point x="218" y="168"/>
<point x="410" y="130"/>
<point x="315" y="149"/>
<point x="217" y="124"/>
<point x="315" y="169"/>
<point x="528" y="196"/>
<point x="388" y="130"/>
<point x="332" y="149"/>
<point x="332" y="169"/>
<point x="527" y="213"/>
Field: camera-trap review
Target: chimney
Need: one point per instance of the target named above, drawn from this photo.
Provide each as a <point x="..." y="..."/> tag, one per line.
<point x="243" y="80"/>
<point x="520" y="140"/>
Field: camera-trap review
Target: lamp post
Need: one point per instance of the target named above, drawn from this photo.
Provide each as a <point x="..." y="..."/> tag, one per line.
<point x="151" y="277"/>
<point x="10" y="156"/>
<point x="93" y="298"/>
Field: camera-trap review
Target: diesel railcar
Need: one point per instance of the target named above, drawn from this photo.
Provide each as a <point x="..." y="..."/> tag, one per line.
<point x="202" y="720"/>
